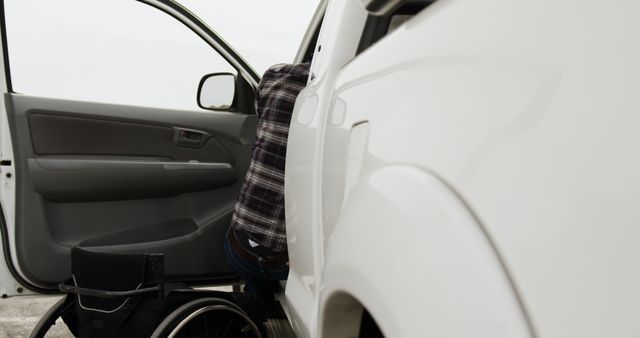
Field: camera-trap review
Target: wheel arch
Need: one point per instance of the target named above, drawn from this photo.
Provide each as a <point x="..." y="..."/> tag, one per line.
<point x="408" y="249"/>
<point x="345" y="316"/>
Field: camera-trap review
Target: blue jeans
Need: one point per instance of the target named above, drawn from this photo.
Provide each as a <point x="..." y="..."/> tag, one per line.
<point x="259" y="280"/>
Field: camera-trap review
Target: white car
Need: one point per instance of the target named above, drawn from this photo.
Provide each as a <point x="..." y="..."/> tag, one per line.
<point x="454" y="169"/>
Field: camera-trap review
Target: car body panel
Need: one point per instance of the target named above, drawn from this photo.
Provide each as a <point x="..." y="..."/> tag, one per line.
<point x="452" y="272"/>
<point x="9" y="268"/>
<point x="303" y="199"/>
<point x="528" y="111"/>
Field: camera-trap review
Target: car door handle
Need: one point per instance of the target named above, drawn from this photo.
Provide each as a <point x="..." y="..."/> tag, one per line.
<point x="189" y="137"/>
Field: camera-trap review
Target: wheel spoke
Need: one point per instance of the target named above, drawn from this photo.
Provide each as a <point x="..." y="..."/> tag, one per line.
<point x="227" y="329"/>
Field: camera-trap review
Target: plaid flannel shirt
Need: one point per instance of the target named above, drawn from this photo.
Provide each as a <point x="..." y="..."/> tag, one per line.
<point x="259" y="210"/>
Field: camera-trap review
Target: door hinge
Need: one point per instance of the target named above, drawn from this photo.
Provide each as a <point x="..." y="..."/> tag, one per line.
<point x="5" y="162"/>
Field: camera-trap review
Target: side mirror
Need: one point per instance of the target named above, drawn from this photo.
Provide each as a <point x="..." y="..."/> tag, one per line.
<point x="217" y="91"/>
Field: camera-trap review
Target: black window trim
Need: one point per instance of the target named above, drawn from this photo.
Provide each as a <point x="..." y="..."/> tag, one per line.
<point x="377" y="26"/>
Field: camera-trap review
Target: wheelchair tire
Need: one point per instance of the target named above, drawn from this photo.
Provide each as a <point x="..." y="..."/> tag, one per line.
<point x="225" y="319"/>
<point x="48" y="319"/>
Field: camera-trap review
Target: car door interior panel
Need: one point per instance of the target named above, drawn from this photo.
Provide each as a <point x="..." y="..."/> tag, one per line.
<point x="54" y="134"/>
<point x="125" y="179"/>
<point x="91" y="179"/>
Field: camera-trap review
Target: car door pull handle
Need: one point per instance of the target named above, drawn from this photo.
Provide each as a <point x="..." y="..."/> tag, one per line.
<point x="189" y="137"/>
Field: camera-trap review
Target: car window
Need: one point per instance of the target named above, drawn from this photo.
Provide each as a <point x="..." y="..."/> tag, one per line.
<point x="116" y="51"/>
<point x="378" y="26"/>
<point x="263" y="32"/>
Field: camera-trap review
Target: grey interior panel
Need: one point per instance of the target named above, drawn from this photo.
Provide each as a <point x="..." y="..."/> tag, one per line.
<point x="150" y="233"/>
<point x="222" y="125"/>
<point x="106" y="174"/>
<point x="59" y="134"/>
<point x="72" y="223"/>
<point x="94" y="179"/>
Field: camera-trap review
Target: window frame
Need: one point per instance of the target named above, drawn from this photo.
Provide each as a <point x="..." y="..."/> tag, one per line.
<point x="247" y="80"/>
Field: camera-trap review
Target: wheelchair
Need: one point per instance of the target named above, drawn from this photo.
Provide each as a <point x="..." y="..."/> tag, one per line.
<point x="126" y="295"/>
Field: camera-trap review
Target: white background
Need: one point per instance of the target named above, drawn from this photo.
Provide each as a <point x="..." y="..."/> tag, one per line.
<point x="125" y="52"/>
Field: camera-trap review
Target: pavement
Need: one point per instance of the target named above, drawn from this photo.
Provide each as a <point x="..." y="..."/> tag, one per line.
<point x="18" y="315"/>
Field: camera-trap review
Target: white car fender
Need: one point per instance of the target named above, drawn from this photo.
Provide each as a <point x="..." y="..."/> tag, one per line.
<point x="409" y="251"/>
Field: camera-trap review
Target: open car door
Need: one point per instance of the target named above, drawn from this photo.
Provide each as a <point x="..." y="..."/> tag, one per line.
<point x="122" y="177"/>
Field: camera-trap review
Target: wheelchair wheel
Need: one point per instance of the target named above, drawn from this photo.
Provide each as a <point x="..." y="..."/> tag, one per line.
<point x="207" y="318"/>
<point x="49" y="318"/>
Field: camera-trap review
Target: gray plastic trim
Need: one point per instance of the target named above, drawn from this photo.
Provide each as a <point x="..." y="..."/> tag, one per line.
<point x="81" y="180"/>
<point x="60" y="134"/>
<point x="88" y="164"/>
<point x="222" y="125"/>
